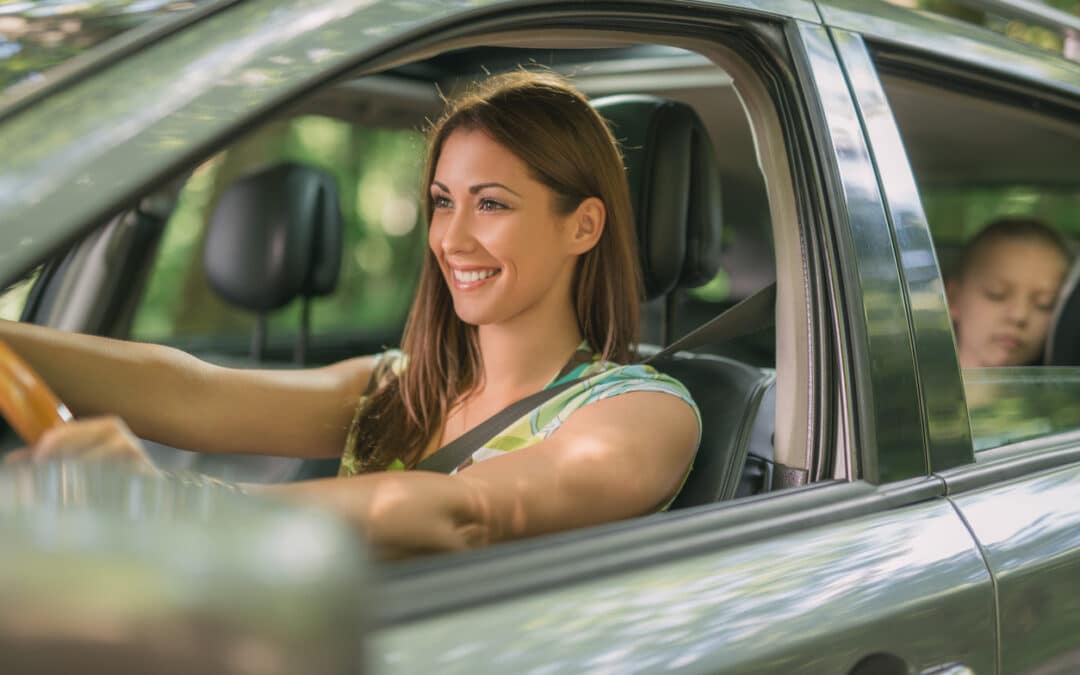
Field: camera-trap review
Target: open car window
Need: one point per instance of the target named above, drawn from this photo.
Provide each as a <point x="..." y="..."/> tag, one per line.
<point x="366" y="134"/>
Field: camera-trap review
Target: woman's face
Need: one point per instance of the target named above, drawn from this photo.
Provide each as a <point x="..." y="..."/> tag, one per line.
<point x="1003" y="304"/>
<point x="502" y="248"/>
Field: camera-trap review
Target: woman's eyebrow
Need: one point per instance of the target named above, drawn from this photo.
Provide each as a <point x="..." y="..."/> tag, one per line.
<point x="439" y="185"/>
<point x="480" y="186"/>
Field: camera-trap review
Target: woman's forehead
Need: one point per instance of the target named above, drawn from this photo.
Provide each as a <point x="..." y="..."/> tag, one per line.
<point x="475" y="152"/>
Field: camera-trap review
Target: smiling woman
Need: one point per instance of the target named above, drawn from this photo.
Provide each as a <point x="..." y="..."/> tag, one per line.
<point x="530" y="283"/>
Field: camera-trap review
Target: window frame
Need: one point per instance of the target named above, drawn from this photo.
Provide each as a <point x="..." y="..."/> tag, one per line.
<point x="998" y="80"/>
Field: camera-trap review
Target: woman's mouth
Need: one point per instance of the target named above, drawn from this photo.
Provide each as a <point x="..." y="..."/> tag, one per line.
<point x="467" y="280"/>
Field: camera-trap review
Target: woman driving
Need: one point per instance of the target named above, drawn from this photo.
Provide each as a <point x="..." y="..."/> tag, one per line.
<point x="531" y="280"/>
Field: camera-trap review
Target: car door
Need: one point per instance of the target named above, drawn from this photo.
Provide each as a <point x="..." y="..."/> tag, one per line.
<point x="866" y="568"/>
<point x="876" y="575"/>
<point x="1018" y="498"/>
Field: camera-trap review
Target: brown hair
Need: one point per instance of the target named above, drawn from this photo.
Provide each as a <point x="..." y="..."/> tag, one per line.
<point x="1009" y="228"/>
<point x="567" y="146"/>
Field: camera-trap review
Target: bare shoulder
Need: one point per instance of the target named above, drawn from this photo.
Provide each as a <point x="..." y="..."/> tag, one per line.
<point x="635" y="419"/>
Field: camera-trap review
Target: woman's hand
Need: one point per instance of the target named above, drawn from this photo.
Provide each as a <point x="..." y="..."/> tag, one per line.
<point x="97" y="438"/>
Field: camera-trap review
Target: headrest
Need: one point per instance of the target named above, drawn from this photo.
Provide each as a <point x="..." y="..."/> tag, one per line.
<point x="1063" y="340"/>
<point x="674" y="189"/>
<point x="275" y="235"/>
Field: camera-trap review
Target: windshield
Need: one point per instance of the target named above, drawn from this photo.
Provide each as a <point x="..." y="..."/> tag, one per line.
<point x="36" y="36"/>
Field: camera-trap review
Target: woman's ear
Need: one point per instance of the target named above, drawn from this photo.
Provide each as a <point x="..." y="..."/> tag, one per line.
<point x="586" y="225"/>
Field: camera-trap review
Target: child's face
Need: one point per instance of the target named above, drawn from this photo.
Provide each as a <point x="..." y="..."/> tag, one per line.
<point x="1002" y="306"/>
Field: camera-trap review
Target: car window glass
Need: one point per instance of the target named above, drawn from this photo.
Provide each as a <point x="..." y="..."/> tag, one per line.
<point x="376" y="171"/>
<point x="38" y="36"/>
<point x="1008" y="405"/>
<point x="978" y="161"/>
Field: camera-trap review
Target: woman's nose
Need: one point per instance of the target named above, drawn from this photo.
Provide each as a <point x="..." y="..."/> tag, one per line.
<point x="457" y="235"/>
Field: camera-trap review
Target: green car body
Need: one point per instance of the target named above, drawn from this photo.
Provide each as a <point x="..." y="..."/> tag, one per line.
<point x="915" y="554"/>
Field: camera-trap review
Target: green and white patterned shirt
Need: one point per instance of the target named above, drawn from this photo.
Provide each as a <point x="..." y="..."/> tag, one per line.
<point x="602" y="379"/>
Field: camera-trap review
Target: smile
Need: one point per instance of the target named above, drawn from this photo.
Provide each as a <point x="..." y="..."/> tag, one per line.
<point x="472" y="278"/>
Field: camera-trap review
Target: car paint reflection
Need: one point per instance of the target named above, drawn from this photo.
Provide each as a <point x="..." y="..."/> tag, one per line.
<point x="828" y="587"/>
<point x="1030" y="533"/>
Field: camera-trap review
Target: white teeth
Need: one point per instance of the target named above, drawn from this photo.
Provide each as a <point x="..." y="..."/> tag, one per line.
<point x="473" y="276"/>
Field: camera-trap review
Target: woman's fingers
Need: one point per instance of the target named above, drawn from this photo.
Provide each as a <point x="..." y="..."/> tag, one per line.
<point x="96" y="438"/>
<point x="72" y="439"/>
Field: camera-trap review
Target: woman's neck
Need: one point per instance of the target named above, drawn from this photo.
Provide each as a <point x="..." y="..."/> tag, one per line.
<point x="523" y="355"/>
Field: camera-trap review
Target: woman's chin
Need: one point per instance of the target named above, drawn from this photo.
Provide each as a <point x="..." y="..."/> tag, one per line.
<point x="472" y="316"/>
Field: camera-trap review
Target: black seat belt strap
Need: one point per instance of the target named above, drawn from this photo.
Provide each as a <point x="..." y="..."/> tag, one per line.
<point x="749" y="316"/>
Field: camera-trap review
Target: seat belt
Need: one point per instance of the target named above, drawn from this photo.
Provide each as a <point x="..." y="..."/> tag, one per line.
<point x="748" y="316"/>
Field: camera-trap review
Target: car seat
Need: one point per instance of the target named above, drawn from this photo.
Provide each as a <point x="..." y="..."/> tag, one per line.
<point x="274" y="236"/>
<point x="675" y="189"/>
<point x="1063" y="339"/>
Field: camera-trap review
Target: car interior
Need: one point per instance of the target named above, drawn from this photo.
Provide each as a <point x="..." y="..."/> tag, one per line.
<point x="198" y="264"/>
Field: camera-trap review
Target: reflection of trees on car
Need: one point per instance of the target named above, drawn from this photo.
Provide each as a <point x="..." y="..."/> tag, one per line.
<point x="35" y="36"/>
<point x="1044" y="38"/>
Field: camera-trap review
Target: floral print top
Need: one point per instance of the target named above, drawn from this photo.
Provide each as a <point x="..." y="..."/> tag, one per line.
<point x="602" y="379"/>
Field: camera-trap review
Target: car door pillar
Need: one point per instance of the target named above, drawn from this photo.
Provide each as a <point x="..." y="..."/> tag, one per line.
<point x="938" y="371"/>
<point x="872" y="317"/>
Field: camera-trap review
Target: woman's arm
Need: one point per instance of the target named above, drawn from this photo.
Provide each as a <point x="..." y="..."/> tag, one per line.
<point x="172" y="397"/>
<point x="617" y="458"/>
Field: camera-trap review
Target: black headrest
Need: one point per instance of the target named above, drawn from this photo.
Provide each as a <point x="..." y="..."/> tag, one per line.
<point x="674" y="187"/>
<point x="275" y="235"/>
<point x="1063" y="340"/>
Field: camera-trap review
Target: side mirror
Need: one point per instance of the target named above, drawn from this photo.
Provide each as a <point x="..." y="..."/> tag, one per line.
<point x="107" y="571"/>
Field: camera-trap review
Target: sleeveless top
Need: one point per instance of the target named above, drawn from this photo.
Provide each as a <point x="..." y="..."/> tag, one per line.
<point x="603" y="379"/>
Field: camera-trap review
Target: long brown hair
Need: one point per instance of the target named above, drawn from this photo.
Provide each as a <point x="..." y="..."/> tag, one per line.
<point x="550" y="126"/>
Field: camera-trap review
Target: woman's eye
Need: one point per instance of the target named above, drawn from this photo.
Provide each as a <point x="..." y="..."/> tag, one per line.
<point x="441" y="202"/>
<point x="491" y="205"/>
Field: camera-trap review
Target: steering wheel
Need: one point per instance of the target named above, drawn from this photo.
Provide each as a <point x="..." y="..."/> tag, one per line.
<point x="26" y="402"/>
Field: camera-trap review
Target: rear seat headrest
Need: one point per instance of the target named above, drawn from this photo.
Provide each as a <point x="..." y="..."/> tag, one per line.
<point x="273" y="236"/>
<point x="674" y="189"/>
<point x="1063" y="340"/>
